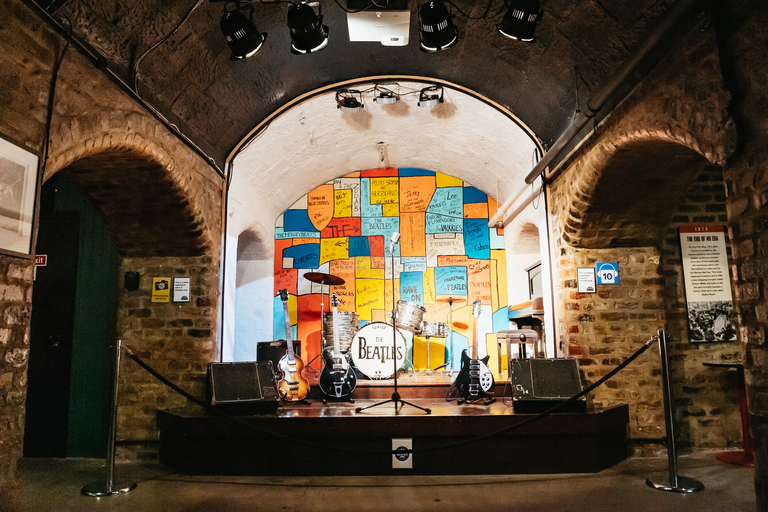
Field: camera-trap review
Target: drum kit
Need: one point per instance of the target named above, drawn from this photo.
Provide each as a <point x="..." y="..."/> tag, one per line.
<point x="372" y="349"/>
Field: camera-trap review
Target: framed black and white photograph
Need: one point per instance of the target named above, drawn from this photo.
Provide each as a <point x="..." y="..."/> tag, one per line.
<point x="18" y="191"/>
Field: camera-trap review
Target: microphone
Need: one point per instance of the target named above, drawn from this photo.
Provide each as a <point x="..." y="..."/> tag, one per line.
<point x="395" y="238"/>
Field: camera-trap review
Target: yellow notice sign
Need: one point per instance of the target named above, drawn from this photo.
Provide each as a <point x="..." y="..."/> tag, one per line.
<point x="161" y="289"/>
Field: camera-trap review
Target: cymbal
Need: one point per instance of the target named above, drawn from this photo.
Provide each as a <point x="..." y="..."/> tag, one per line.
<point x="460" y="325"/>
<point x="320" y="278"/>
<point x="450" y="300"/>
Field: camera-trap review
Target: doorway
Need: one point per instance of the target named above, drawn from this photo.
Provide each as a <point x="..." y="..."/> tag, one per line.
<point x="74" y="306"/>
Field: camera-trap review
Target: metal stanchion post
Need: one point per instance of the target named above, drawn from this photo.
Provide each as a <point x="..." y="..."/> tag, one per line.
<point x="110" y="487"/>
<point x="676" y="482"/>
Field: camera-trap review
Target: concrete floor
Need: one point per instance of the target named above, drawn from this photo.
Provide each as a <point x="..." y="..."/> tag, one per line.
<point x="55" y="484"/>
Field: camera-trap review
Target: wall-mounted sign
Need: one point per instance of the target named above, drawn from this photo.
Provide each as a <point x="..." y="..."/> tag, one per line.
<point x="161" y="289"/>
<point x="181" y="289"/>
<point x="707" y="284"/>
<point x="585" y="277"/>
<point x="607" y="272"/>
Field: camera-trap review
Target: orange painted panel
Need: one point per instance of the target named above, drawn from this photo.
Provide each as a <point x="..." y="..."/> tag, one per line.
<point x="320" y="204"/>
<point x="416" y="192"/>
<point x="412" y="232"/>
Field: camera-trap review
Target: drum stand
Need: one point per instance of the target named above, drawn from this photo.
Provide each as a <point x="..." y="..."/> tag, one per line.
<point x="427" y="370"/>
<point x="395" y="395"/>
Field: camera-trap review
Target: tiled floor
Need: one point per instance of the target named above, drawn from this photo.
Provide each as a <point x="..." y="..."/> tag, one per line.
<point x="55" y="484"/>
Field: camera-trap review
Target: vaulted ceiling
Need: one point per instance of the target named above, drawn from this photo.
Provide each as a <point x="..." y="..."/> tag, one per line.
<point x="216" y="101"/>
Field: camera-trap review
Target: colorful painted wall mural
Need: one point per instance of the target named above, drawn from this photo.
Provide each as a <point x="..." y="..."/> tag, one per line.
<point x="344" y="228"/>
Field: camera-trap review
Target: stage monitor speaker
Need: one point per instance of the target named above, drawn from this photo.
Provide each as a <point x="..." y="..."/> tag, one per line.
<point x="543" y="383"/>
<point x="242" y="388"/>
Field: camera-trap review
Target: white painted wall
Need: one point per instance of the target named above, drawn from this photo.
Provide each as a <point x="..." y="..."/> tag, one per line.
<point x="314" y="142"/>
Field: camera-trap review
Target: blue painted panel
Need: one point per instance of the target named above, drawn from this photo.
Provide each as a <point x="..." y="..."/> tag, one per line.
<point x="436" y="223"/>
<point x="382" y="226"/>
<point x="412" y="287"/>
<point x="473" y="195"/>
<point x="359" y="246"/>
<point x="304" y="256"/>
<point x="451" y="280"/>
<point x="447" y="201"/>
<point x="477" y="243"/>
<point x="501" y="320"/>
<point x="297" y="220"/>
<point x="412" y="171"/>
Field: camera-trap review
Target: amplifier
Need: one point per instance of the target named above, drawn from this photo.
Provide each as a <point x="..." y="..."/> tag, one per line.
<point x="543" y="383"/>
<point x="242" y="388"/>
<point x="274" y="350"/>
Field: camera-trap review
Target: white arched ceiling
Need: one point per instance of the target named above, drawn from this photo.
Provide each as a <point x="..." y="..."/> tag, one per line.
<point x="312" y="142"/>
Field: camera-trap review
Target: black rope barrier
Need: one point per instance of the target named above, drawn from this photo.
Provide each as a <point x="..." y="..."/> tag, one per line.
<point x="250" y="425"/>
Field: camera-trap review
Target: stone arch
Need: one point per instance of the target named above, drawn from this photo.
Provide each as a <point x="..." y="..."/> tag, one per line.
<point x="670" y="128"/>
<point x="133" y="173"/>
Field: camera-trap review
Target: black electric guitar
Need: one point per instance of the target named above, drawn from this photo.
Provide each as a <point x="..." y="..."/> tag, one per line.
<point x="337" y="379"/>
<point x="292" y="385"/>
<point x="474" y="380"/>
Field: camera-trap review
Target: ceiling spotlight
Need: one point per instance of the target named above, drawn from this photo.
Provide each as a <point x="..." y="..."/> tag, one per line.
<point x="349" y="100"/>
<point x="436" y="28"/>
<point x="520" y="21"/>
<point x="242" y="36"/>
<point x="429" y="97"/>
<point x="385" y="96"/>
<point x="308" y="34"/>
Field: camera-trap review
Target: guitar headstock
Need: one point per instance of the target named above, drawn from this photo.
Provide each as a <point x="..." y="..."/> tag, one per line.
<point x="284" y="295"/>
<point x="334" y="300"/>
<point x="477" y="307"/>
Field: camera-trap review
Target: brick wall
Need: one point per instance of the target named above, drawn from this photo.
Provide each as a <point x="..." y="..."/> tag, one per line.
<point x="707" y="405"/>
<point x="101" y="135"/>
<point x="670" y="130"/>
<point x="15" y="308"/>
<point x="602" y="329"/>
<point x="744" y="29"/>
<point x="178" y="340"/>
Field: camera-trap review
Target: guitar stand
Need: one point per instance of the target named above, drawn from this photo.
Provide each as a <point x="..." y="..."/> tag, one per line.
<point x="396" y="400"/>
<point x="487" y="400"/>
<point x="347" y="398"/>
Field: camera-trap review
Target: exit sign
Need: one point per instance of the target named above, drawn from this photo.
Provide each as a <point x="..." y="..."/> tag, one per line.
<point x="41" y="260"/>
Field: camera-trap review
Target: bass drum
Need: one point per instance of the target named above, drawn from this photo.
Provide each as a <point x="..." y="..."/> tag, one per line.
<point x="372" y="350"/>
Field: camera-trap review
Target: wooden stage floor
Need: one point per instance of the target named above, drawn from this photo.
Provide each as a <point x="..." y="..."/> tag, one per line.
<point x="334" y="439"/>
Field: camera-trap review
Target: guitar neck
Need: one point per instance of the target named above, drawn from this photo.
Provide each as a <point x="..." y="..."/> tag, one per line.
<point x="288" y="340"/>
<point x="336" y="342"/>
<point x="474" y="339"/>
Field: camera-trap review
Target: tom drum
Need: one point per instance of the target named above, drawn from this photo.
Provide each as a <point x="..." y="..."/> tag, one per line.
<point x="347" y="328"/>
<point x="409" y="316"/>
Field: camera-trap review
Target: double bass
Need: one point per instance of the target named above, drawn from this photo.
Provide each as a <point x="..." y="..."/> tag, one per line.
<point x="292" y="386"/>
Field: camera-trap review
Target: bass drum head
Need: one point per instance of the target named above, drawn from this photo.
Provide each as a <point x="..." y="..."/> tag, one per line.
<point x="372" y="350"/>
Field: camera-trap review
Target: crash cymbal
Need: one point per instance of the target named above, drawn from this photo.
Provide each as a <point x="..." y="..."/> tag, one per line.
<point x="450" y="300"/>
<point x="320" y="278"/>
<point x="460" y="325"/>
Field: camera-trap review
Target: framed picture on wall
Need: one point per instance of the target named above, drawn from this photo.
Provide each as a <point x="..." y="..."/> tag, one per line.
<point x="19" y="168"/>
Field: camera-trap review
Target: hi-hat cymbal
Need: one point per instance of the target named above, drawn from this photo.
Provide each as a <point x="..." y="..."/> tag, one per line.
<point x="320" y="278"/>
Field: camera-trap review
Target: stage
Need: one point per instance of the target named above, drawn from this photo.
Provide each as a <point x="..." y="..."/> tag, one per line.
<point x="315" y="439"/>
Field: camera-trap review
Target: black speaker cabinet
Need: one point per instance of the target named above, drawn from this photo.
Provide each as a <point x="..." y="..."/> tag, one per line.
<point x="242" y="388"/>
<point x="543" y="383"/>
<point x="274" y="350"/>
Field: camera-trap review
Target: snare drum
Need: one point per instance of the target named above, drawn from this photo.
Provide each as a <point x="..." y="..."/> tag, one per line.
<point x="347" y="327"/>
<point x="372" y="350"/>
<point x="409" y="316"/>
<point x="434" y="329"/>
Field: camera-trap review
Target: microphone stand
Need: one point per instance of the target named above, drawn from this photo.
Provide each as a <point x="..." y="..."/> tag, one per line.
<point x="395" y="395"/>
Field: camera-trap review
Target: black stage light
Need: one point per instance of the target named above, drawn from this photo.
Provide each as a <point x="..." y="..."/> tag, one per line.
<point x="520" y="21"/>
<point x="242" y="36"/>
<point x="436" y="28"/>
<point x="308" y="34"/>
<point x="349" y="100"/>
